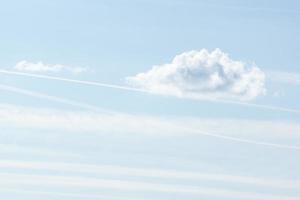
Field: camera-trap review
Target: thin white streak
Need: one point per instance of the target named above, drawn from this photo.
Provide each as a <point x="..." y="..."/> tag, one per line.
<point x="72" y="80"/>
<point x="262" y="106"/>
<point x="241" y="140"/>
<point x="147" y="172"/>
<point x="267" y="107"/>
<point x="13" y="179"/>
<point x="50" y="98"/>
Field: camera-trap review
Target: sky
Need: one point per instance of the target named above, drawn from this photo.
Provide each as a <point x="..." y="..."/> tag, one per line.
<point x="140" y="100"/>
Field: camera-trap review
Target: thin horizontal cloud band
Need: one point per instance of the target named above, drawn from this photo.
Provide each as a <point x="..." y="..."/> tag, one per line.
<point x="31" y="180"/>
<point x="147" y="172"/>
<point x="33" y="192"/>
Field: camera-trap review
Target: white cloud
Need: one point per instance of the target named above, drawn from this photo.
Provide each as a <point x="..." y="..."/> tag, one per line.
<point x="201" y="74"/>
<point x="40" y="67"/>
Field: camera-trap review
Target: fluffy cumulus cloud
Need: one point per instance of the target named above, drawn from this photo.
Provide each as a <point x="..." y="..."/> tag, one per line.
<point x="40" y="67"/>
<point x="203" y="74"/>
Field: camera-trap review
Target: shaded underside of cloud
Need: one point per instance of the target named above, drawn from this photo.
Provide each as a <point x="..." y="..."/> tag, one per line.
<point x="40" y="67"/>
<point x="203" y="74"/>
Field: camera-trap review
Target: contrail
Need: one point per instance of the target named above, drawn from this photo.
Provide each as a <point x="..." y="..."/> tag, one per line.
<point x="93" y="83"/>
<point x="262" y="106"/>
<point x="73" y="81"/>
<point x="241" y="140"/>
<point x="97" y="109"/>
<point x="50" y="98"/>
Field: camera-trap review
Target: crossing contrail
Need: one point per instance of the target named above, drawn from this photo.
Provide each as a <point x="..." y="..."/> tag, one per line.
<point x="97" y="109"/>
<point x="120" y="87"/>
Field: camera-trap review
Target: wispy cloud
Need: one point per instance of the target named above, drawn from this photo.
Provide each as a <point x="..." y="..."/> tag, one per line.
<point x="40" y="67"/>
<point x="159" y="174"/>
<point x="34" y="192"/>
<point x="201" y="75"/>
<point x="13" y="179"/>
<point x="110" y="121"/>
<point x="122" y="123"/>
<point x="284" y="77"/>
<point x="9" y="149"/>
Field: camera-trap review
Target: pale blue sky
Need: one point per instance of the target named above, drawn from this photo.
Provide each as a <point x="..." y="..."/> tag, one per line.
<point x="144" y="145"/>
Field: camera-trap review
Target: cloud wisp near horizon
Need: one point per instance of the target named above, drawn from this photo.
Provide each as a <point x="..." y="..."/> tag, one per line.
<point x="40" y="67"/>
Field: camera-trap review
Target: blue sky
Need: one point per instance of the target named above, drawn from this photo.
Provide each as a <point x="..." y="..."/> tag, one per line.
<point x="85" y="115"/>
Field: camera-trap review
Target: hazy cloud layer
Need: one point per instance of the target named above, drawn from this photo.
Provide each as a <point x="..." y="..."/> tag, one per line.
<point x="114" y="122"/>
<point x="40" y="67"/>
<point x="203" y="74"/>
